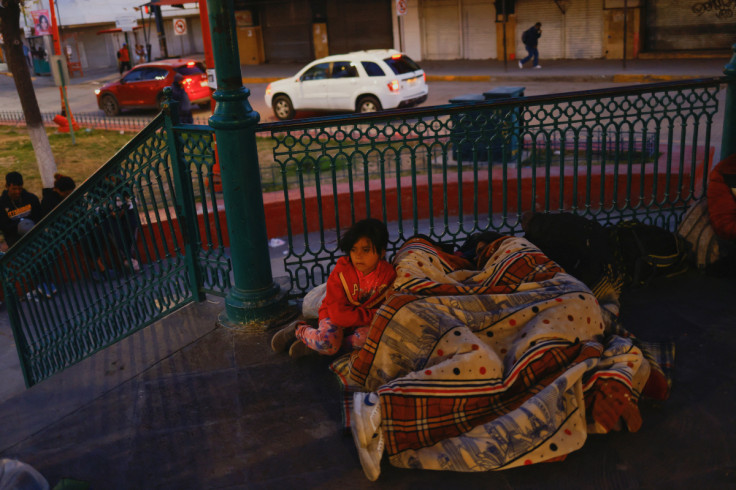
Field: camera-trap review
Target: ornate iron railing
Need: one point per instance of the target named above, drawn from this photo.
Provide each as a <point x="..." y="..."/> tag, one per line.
<point x="639" y="152"/>
<point x="136" y="241"/>
<point x="632" y="152"/>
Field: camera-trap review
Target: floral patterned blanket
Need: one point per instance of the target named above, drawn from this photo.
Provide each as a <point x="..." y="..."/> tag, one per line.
<point x="496" y="364"/>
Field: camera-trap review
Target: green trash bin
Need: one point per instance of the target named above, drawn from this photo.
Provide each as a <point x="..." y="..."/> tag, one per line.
<point x="506" y="122"/>
<point x="466" y="131"/>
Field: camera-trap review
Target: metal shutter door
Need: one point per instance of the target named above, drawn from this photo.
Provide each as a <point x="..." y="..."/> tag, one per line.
<point x="674" y="26"/>
<point x="353" y="25"/>
<point x="440" y="29"/>
<point x="287" y="31"/>
<point x="479" y="30"/>
<point x="584" y="30"/>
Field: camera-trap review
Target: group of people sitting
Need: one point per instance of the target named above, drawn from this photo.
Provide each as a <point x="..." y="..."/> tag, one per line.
<point x="21" y="210"/>
<point x="357" y="287"/>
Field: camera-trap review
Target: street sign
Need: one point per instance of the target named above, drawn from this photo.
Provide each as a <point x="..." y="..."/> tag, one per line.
<point x="126" y="23"/>
<point x="401" y="7"/>
<point x="180" y="27"/>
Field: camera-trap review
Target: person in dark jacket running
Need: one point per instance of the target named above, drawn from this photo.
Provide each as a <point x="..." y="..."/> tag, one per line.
<point x="530" y="38"/>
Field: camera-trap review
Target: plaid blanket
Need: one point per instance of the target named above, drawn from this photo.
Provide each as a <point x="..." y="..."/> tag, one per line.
<point x="495" y="365"/>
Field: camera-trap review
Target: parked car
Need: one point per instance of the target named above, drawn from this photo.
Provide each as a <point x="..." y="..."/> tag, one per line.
<point x="362" y="81"/>
<point x="143" y="86"/>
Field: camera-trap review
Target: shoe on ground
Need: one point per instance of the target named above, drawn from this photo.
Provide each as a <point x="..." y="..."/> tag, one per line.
<point x="521" y="65"/>
<point x="44" y="290"/>
<point x="284" y="337"/>
<point x="538" y="67"/>
<point x="370" y="457"/>
<point x="300" y="349"/>
<point x="366" y="418"/>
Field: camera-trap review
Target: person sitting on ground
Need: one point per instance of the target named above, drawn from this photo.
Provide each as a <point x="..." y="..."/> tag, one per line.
<point x="51" y="197"/>
<point x="180" y="95"/>
<point x="356" y="289"/>
<point x="20" y="210"/>
<point x="721" y="198"/>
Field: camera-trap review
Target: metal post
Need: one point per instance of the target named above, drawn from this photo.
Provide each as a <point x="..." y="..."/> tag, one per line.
<point x="187" y="209"/>
<point x="255" y="298"/>
<point x="728" y="142"/>
<point x="160" y="30"/>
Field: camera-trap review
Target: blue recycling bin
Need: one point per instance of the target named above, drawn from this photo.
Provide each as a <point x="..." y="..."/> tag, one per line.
<point x="473" y="132"/>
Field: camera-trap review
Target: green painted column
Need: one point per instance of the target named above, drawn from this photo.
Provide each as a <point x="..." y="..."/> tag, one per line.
<point x="255" y="298"/>
<point x="728" y="143"/>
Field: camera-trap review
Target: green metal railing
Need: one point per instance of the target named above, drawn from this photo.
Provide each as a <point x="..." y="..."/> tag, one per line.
<point x="139" y="239"/>
<point x="632" y="152"/>
<point x="639" y="152"/>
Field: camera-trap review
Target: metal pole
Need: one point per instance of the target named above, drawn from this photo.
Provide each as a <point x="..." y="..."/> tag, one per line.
<point x="505" y="55"/>
<point x="64" y="98"/>
<point x="626" y="15"/>
<point x="728" y="141"/>
<point x="160" y="30"/>
<point x="255" y="298"/>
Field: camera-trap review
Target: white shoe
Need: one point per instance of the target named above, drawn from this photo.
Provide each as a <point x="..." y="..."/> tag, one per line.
<point x="520" y="65"/>
<point x="538" y="67"/>
<point x="370" y="457"/>
<point x="366" y="418"/>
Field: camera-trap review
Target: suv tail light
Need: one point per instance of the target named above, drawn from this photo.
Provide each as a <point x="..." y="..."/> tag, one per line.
<point x="393" y="86"/>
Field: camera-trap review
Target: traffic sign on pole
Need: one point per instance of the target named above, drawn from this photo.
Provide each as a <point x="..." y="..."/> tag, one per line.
<point x="400" y="7"/>
<point x="180" y="26"/>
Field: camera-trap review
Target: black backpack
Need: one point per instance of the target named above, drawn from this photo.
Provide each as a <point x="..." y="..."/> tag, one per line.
<point x="579" y="245"/>
<point x="525" y="37"/>
<point x="644" y="252"/>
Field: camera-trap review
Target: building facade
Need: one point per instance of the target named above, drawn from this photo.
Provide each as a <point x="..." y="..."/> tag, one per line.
<point x="277" y="31"/>
<point x="301" y="30"/>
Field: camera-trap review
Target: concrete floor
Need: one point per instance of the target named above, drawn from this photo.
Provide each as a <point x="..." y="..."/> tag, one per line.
<point x="184" y="404"/>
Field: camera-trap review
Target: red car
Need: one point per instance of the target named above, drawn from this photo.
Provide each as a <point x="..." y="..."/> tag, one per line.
<point x="143" y="86"/>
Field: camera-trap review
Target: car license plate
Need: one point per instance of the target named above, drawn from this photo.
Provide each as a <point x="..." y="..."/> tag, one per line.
<point x="412" y="81"/>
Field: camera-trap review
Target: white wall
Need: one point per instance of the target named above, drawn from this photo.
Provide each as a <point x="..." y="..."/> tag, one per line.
<point x="80" y="12"/>
<point x="411" y="30"/>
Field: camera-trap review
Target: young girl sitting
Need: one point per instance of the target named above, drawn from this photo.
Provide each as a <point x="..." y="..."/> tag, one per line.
<point x="356" y="288"/>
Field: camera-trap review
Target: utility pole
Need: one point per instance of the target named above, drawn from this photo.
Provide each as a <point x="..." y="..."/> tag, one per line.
<point x="57" y="48"/>
<point x="160" y="29"/>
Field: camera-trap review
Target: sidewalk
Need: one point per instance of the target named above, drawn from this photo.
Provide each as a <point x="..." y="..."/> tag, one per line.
<point x="635" y="71"/>
<point x="187" y="405"/>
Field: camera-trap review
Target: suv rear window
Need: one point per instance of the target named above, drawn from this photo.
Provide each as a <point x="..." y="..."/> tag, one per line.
<point x="195" y="69"/>
<point x="402" y="64"/>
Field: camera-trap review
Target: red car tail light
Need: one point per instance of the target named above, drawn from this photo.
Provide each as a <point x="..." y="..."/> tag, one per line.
<point x="394" y="86"/>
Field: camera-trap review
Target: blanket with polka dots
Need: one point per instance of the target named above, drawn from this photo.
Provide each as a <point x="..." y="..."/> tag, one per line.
<point x="492" y="365"/>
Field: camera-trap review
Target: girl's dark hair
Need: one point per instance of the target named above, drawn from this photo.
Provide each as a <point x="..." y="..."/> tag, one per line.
<point x="372" y="229"/>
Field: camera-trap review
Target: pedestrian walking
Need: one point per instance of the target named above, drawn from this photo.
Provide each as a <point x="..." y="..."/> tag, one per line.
<point x="179" y="93"/>
<point x="124" y="59"/>
<point x="140" y="54"/>
<point x="530" y="38"/>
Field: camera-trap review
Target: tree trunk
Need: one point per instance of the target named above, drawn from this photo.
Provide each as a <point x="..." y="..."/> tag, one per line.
<point x="10" y="29"/>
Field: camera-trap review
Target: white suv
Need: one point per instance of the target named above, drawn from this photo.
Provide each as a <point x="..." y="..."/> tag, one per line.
<point x="362" y="81"/>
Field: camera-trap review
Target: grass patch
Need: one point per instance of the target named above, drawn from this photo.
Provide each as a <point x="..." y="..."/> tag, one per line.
<point x="93" y="149"/>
